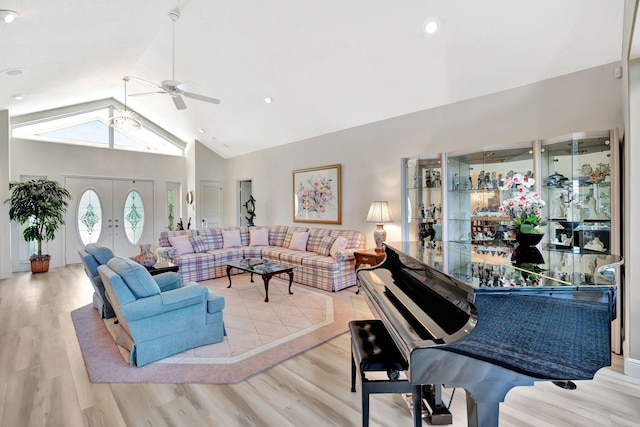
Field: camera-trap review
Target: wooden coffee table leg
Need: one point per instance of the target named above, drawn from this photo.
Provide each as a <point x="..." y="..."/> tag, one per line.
<point x="266" y="278"/>
<point x="290" y="273"/>
<point x="229" y="275"/>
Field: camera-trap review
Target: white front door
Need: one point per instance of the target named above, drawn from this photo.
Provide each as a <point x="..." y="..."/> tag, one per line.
<point x="97" y="214"/>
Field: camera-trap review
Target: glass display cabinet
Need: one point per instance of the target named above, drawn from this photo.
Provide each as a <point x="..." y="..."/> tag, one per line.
<point x="422" y="213"/>
<point x="474" y="194"/>
<point x="580" y="192"/>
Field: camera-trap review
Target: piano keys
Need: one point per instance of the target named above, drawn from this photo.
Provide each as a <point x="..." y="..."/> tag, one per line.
<point x="487" y="321"/>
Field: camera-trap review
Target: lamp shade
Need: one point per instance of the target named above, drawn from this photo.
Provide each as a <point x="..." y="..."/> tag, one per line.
<point x="379" y="212"/>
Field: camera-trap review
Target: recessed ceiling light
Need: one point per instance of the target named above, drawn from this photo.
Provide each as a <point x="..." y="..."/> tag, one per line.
<point x="19" y="97"/>
<point x="201" y="130"/>
<point x="8" y="16"/>
<point x="431" y="26"/>
<point x="268" y="99"/>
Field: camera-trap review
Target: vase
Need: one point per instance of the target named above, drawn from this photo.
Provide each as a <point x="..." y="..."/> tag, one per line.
<point x="527" y="239"/>
<point x="146" y="257"/>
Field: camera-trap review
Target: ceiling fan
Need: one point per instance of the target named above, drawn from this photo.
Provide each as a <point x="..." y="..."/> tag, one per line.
<point x="173" y="87"/>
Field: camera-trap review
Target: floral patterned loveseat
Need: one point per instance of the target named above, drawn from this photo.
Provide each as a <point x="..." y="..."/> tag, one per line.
<point x="325" y="261"/>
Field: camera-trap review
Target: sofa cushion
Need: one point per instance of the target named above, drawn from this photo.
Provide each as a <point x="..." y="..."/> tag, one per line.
<point x="289" y="235"/>
<point x="166" y="234"/>
<point x="315" y="237"/>
<point x="299" y="241"/>
<point x="277" y="234"/>
<point x="231" y="239"/>
<point x="101" y="253"/>
<point x="181" y="244"/>
<point x="355" y="239"/>
<point x="325" y="245"/>
<point x="198" y="244"/>
<point x="338" y="246"/>
<point x="212" y="238"/>
<point x="258" y="237"/>
<point x="135" y="276"/>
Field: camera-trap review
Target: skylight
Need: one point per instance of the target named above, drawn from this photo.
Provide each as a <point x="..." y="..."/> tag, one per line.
<point x="91" y="128"/>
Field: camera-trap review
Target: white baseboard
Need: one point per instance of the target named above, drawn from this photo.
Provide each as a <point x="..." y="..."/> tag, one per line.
<point x="632" y="367"/>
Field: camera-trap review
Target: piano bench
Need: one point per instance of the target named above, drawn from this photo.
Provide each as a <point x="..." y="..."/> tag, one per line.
<point x="373" y="349"/>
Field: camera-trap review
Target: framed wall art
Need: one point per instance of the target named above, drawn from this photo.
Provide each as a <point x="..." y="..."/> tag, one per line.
<point x="316" y="195"/>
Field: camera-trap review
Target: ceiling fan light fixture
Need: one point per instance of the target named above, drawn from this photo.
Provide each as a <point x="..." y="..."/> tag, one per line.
<point x="125" y="121"/>
<point x="268" y="99"/>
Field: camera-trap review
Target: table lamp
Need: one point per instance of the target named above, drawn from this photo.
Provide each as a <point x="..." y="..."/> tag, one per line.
<point x="379" y="212"/>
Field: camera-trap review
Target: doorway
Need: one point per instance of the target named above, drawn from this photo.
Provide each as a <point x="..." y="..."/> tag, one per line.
<point x="115" y="213"/>
<point x="210" y="204"/>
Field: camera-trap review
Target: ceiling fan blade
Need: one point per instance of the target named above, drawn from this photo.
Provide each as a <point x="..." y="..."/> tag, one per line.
<point x="201" y="97"/>
<point x="138" y="79"/>
<point x="146" y="93"/>
<point x="179" y="102"/>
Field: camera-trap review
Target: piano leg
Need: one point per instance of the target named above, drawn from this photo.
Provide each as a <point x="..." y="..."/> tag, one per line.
<point x="482" y="414"/>
<point x="417" y="406"/>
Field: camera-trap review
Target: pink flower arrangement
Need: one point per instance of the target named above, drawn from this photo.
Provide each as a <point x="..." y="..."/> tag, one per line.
<point x="525" y="209"/>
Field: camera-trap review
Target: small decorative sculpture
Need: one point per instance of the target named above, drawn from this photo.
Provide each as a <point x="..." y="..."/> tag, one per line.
<point x="427" y="179"/>
<point x="250" y="206"/>
<point x="437" y="183"/>
<point x="595" y="245"/>
<point x="456" y="181"/>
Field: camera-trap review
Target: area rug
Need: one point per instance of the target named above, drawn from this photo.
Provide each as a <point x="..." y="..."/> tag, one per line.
<point x="259" y="335"/>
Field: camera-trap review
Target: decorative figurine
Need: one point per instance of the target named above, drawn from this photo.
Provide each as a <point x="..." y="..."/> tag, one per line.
<point x="427" y="179"/>
<point x="437" y="183"/>
<point x="456" y="181"/>
<point x="250" y="205"/>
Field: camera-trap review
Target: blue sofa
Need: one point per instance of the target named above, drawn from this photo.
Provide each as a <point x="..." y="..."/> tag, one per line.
<point x="92" y="256"/>
<point x="158" y="315"/>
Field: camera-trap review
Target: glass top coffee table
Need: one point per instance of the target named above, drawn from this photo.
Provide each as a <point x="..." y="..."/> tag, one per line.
<point x="266" y="270"/>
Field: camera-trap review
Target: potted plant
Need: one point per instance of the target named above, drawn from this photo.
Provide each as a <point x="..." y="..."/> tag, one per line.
<point x="525" y="209"/>
<point x="41" y="204"/>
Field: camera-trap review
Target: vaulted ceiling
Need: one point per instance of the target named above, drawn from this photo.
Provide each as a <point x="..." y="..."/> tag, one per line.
<point x="327" y="65"/>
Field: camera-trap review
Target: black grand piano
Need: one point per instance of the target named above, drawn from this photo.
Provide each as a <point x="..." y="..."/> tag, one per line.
<point x="487" y="318"/>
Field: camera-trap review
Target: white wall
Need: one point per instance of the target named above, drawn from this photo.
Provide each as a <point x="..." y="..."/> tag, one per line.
<point x="57" y="161"/>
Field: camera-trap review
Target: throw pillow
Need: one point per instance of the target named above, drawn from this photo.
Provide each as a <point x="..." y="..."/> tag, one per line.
<point x="299" y="241"/>
<point x="325" y="245"/>
<point x="181" y="244"/>
<point x="198" y="244"/>
<point x="259" y="237"/>
<point x="231" y="239"/>
<point x="338" y="246"/>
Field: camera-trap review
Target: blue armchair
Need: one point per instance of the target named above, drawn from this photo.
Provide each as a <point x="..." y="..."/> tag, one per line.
<point x="157" y="315"/>
<point x="92" y="256"/>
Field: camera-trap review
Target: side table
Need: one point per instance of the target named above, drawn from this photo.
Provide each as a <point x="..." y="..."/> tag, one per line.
<point x="367" y="256"/>
<point x="162" y="267"/>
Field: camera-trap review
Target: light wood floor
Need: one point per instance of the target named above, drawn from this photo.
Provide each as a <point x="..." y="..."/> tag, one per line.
<point x="43" y="381"/>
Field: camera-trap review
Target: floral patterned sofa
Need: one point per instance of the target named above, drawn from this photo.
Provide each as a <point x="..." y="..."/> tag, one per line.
<point x="323" y="258"/>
